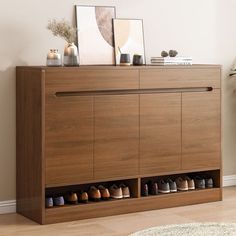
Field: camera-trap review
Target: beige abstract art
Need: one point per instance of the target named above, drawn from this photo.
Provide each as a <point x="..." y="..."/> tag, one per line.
<point x="95" y="35"/>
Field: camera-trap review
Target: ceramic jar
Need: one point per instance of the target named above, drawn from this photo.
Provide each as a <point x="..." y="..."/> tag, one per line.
<point x="71" y="56"/>
<point x="54" y="58"/>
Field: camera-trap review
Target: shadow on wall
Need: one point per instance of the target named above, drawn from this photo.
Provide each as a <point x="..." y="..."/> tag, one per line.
<point x="8" y="130"/>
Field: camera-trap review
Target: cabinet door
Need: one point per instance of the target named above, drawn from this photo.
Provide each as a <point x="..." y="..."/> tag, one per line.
<point x="160" y="133"/>
<point x="69" y="140"/>
<point x="201" y="130"/>
<point x="116" y="136"/>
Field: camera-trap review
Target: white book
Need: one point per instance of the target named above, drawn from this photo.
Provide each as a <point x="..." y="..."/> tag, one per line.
<point x="171" y="59"/>
<point x="171" y="63"/>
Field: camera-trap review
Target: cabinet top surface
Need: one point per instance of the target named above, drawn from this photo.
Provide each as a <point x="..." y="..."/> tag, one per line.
<point x="112" y="67"/>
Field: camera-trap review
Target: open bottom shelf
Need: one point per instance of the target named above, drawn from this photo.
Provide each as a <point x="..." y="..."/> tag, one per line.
<point x="114" y="207"/>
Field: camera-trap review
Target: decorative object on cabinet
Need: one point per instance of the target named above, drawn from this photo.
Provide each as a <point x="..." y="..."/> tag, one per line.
<point x="64" y="30"/>
<point x="54" y="58"/>
<point x="129" y="38"/>
<point x="122" y="126"/>
<point x="95" y="34"/>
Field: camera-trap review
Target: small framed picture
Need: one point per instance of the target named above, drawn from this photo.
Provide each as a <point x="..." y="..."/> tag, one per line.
<point x="129" y="38"/>
<point x="95" y="34"/>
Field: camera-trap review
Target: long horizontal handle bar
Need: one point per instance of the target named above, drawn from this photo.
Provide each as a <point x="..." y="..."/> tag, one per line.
<point x="132" y="91"/>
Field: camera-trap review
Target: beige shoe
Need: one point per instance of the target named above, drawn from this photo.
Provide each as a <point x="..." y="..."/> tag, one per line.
<point x="104" y="192"/>
<point x="115" y="192"/>
<point x="191" y="185"/>
<point x="125" y="191"/>
<point x="182" y="184"/>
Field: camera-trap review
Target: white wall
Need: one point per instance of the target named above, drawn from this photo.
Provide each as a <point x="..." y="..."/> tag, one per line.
<point x="201" y="29"/>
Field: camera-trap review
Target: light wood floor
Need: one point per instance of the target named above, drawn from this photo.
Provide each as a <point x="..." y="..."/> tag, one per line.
<point x="225" y="211"/>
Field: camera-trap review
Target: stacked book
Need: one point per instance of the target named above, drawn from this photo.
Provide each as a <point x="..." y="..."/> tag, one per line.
<point x="162" y="61"/>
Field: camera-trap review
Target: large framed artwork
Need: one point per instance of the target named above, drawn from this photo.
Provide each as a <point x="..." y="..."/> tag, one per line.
<point x="129" y="38"/>
<point x="95" y="34"/>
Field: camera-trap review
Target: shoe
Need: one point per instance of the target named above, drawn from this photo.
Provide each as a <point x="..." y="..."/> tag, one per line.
<point x="209" y="182"/>
<point x="200" y="182"/>
<point x="71" y="198"/>
<point x="59" y="201"/>
<point x="115" y="192"/>
<point x="104" y="192"/>
<point x="173" y="186"/>
<point x="182" y="184"/>
<point x="163" y="187"/>
<point x="83" y="197"/>
<point x="153" y="188"/>
<point x="191" y="184"/>
<point x="48" y="202"/>
<point x="144" y="190"/>
<point x="125" y="190"/>
<point x="94" y="194"/>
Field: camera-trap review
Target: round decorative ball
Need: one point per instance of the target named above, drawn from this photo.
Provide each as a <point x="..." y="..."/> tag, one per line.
<point x="173" y="53"/>
<point x="164" y="54"/>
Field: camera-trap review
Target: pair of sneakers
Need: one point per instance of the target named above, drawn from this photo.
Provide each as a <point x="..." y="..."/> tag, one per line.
<point x="185" y="183"/>
<point x="118" y="192"/>
<point x="168" y="186"/>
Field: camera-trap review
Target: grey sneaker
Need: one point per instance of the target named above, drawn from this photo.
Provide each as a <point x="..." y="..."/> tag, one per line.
<point x="173" y="186"/>
<point x="209" y="183"/>
<point x="163" y="187"/>
<point x="200" y="182"/>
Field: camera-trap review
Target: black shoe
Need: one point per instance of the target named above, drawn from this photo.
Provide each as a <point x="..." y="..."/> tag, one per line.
<point x="144" y="190"/>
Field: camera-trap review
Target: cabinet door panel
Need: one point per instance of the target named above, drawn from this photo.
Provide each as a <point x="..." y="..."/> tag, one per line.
<point x="160" y="133"/>
<point x="201" y="130"/>
<point x="69" y="140"/>
<point x="116" y="136"/>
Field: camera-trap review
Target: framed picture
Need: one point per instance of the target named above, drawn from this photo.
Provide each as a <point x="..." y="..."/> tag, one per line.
<point x="95" y="34"/>
<point x="129" y="38"/>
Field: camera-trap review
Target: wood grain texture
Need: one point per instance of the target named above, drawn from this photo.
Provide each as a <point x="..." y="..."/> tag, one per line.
<point x="114" y="129"/>
<point x="115" y="207"/>
<point x="30" y="144"/>
<point x="201" y="130"/>
<point x="90" y="80"/>
<point x="116" y="136"/>
<point x="69" y="140"/>
<point x="180" y="78"/>
<point x="160" y="133"/>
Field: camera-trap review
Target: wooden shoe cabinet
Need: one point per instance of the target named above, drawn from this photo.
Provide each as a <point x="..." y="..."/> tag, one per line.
<point x="99" y="124"/>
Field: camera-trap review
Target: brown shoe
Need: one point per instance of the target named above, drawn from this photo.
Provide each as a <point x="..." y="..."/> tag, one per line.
<point x="153" y="188"/>
<point x="191" y="185"/>
<point x="94" y="194"/>
<point x="116" y="192"/>
<point x="125" y="191"/>
<point x="71" y="198"/>
<point x="104" y="192"/>
<point x="182" y="184"/>
<point x="83" y="197"/>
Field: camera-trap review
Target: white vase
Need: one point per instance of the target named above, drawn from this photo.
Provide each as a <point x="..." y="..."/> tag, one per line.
<point x="71" y="55"/>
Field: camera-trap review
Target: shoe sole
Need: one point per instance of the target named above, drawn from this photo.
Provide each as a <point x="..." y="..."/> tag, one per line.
<point x="164" y="191"/>
<point x="83" y="201"/>
<point x="126" y="196"/>
<point x="117" y="197"/>
<point x="173" y="191"/>
<point x="183" y="189"/>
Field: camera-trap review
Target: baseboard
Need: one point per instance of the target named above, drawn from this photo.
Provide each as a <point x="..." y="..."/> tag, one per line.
<point x="10" y="206"/>
<point x="7" y="207"/>
<point x="229" y="180"/>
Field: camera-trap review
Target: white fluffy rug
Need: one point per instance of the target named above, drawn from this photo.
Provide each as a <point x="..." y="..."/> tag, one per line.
<point x="194" y="229"/>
